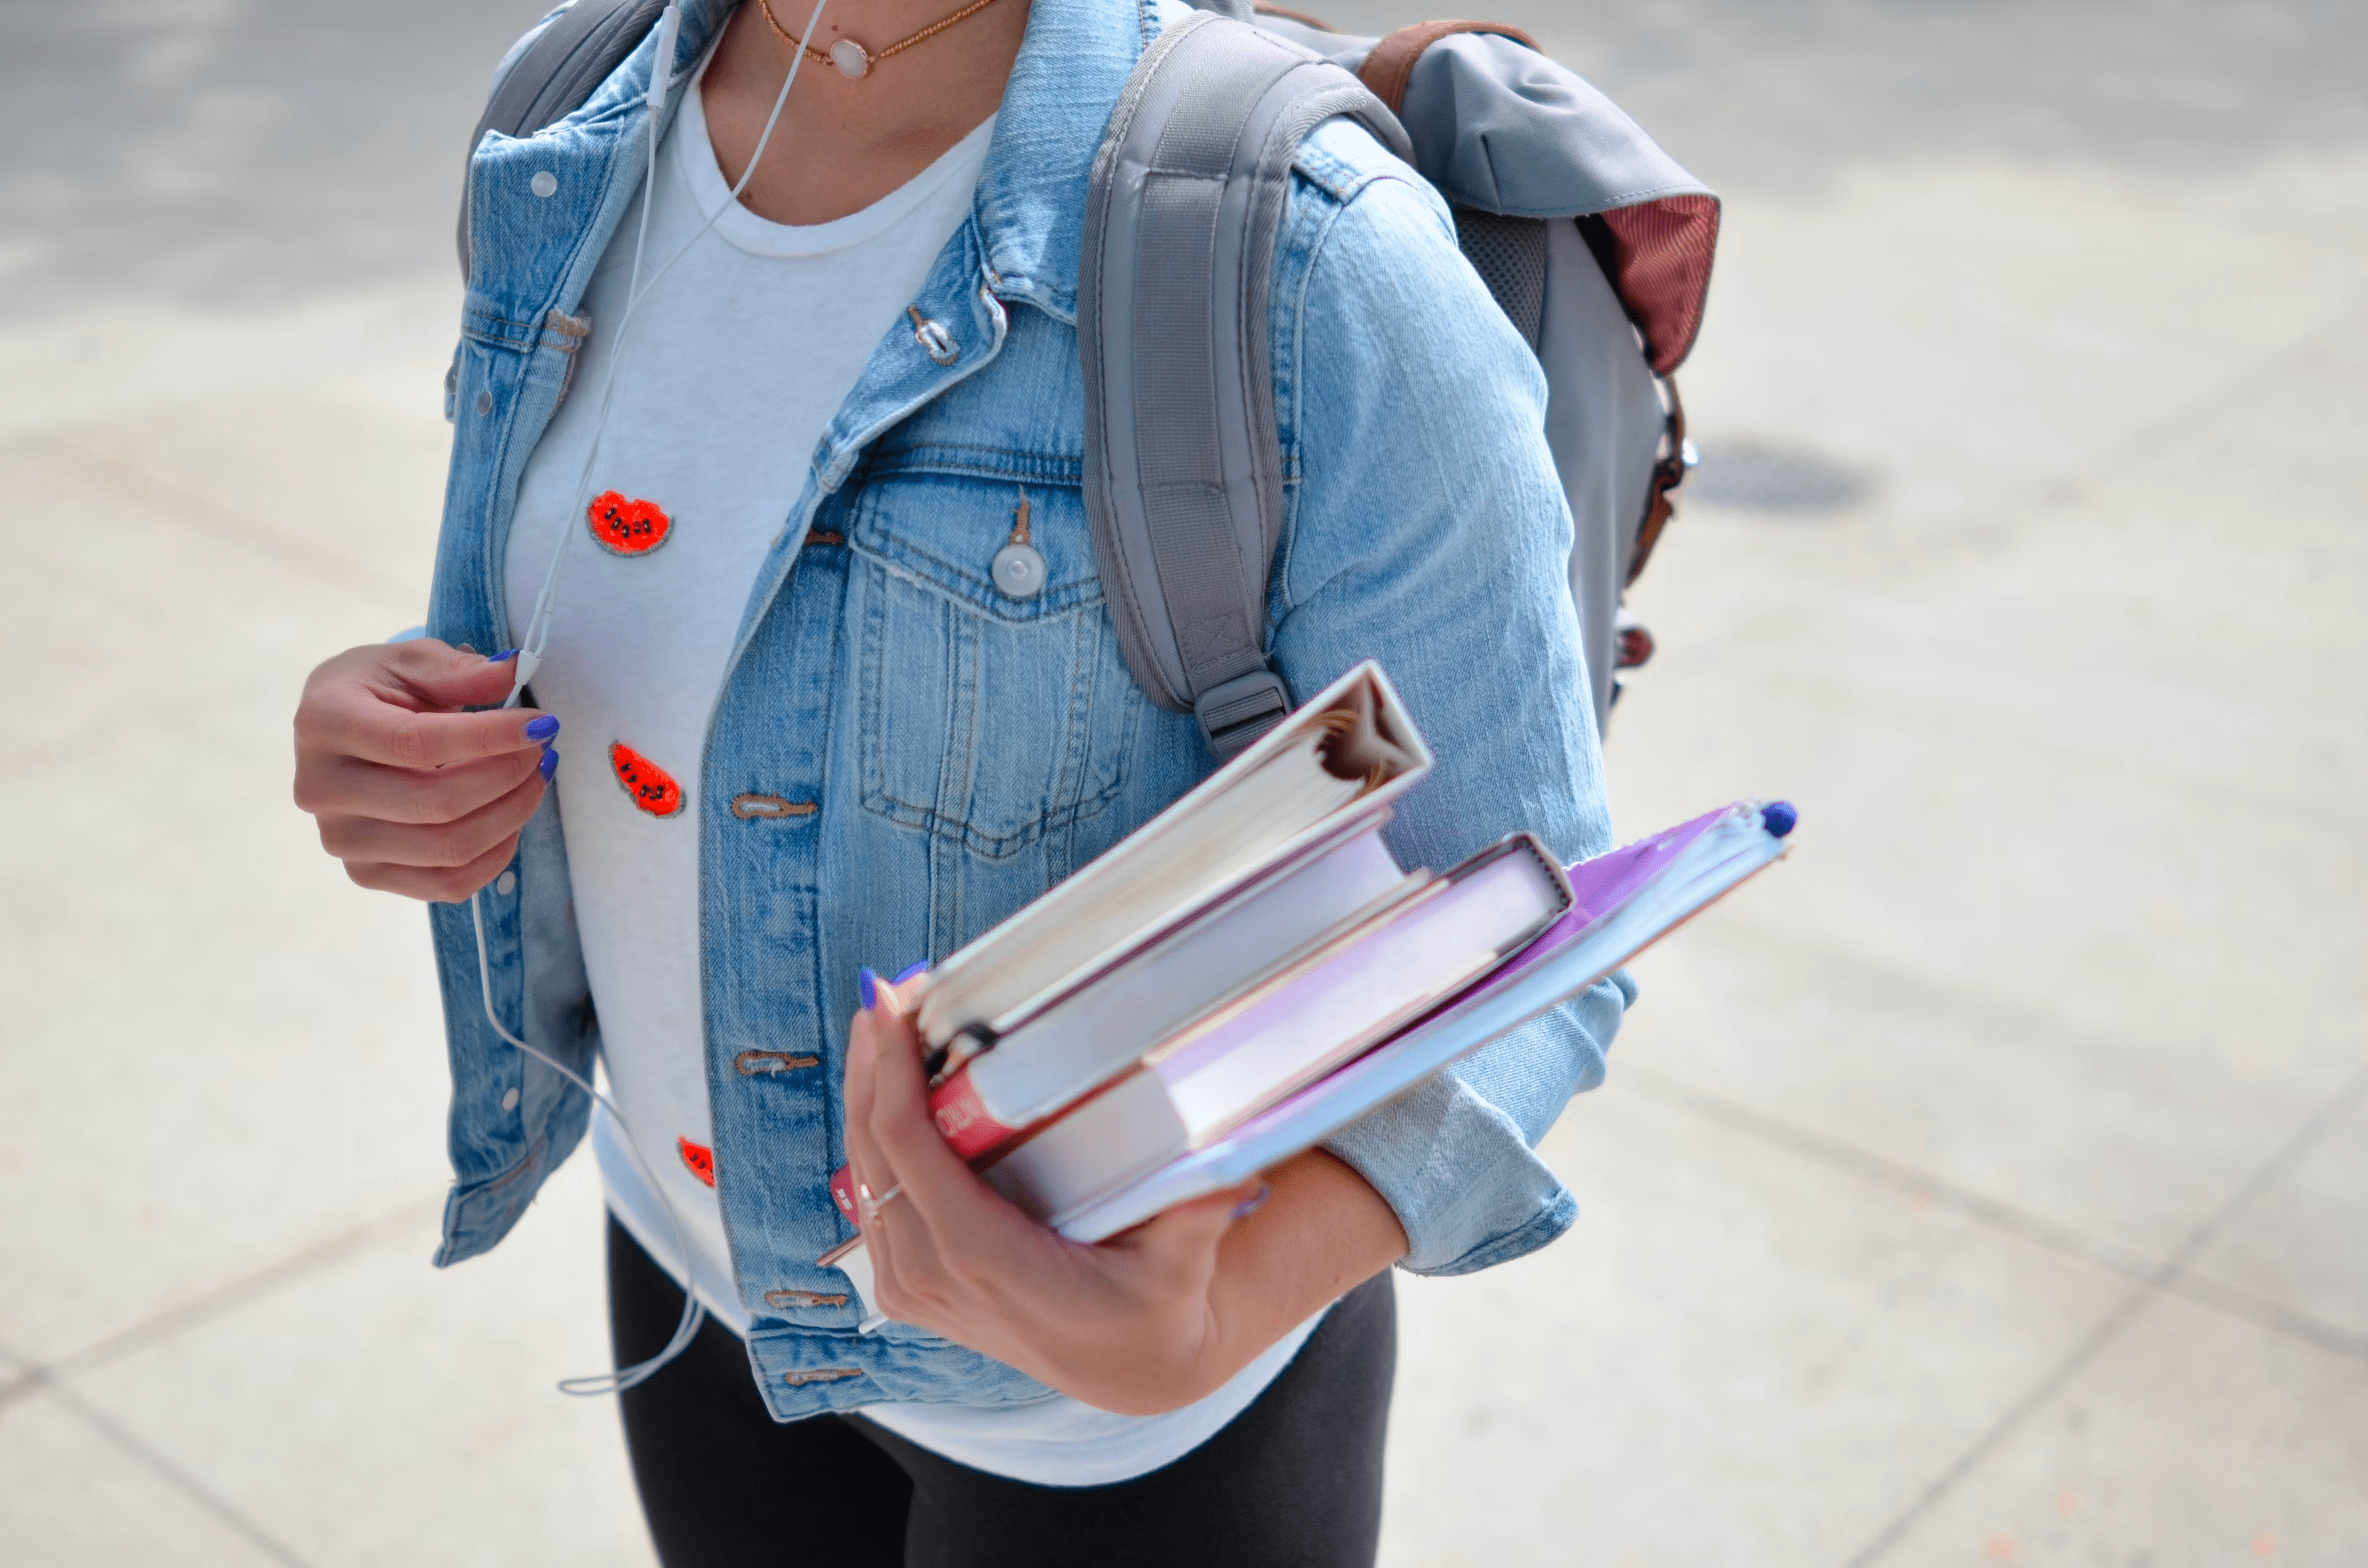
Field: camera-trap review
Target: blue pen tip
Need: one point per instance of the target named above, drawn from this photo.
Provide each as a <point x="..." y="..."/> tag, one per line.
<point x="1778" y="817"/>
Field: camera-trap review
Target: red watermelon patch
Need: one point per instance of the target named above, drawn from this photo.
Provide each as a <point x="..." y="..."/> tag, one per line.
<point x="652" y="787"/>
<point x="627" y="527"/>
<point x="699" y="1158"/>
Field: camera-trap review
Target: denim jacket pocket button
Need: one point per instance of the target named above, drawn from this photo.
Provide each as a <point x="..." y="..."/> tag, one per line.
<point x="1019" y="571"/>
<point x="544" y="184"/>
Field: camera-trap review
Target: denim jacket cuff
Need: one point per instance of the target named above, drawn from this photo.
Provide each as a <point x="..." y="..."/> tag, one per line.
<point x="1464" y="1182"/>
<point x="1455" y="1155"/>
<point x="478" y="1214"/>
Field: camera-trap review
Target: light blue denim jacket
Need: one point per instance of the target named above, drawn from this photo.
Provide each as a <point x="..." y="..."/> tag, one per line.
<point x="964" y="750"/>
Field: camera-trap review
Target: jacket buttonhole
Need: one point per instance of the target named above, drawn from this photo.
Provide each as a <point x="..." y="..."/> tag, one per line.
<point x="802" y="1299"/>
<point x="755" y="1064"/>
<point x="747" y="807"/>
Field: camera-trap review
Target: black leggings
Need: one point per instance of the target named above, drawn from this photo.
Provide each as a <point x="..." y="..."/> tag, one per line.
<point x="1294" y="1479"/>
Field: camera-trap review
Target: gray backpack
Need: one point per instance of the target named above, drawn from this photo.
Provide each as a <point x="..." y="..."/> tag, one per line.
<point x="1595" y="244"/>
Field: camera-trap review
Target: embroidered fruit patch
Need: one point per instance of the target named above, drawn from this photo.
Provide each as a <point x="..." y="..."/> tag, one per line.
<point x="627" y="527"/>
<point x="699" y="1158"/>
<point x="652" y="787"/>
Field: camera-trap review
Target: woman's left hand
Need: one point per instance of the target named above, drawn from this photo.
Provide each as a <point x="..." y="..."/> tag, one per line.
<point x="1145" y="1322"/>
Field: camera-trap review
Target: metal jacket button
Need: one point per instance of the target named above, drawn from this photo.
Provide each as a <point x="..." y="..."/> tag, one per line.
<point x="1019" y="570"/>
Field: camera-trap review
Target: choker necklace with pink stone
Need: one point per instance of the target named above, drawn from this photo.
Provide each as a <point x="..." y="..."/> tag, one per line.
<point x="851" y="58"/>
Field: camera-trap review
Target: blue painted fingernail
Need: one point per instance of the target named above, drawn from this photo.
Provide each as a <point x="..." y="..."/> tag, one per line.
<point x="503" y="658"/>
<point x="909" y="974"/>
<point x="550" y="763"/>
<point x="1778" y="817"/>
<point x="542" y="727"/>
<point x="1249" y="1205"/>
<point x="869" y="984"/>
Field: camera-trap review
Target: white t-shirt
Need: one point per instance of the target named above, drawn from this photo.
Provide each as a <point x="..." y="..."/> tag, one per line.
<point x="737" y="358"/>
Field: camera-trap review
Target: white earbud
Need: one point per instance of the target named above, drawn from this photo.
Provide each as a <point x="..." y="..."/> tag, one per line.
<point x="661" y="68"/>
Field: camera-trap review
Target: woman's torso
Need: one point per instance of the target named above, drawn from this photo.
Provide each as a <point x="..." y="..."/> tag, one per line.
<point x="900" y="754"/>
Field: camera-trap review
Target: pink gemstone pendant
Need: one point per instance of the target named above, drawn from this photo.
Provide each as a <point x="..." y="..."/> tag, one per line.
<point x="851" y="58"/>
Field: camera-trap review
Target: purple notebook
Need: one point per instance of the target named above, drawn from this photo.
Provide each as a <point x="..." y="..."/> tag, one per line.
<point x="1624" y="901"/>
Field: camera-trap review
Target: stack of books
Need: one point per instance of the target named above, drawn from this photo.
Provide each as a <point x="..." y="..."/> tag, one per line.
<point x="1252" y="969"/>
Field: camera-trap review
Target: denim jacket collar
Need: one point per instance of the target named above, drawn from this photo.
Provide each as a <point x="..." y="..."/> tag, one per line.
<point x="1070" y="70"/>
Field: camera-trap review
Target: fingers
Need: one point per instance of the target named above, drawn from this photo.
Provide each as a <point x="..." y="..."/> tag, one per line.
<point x="394" y="705"/>
<point x="347" y="787"/>
<point x="450" y="886"/>
<point x="436" y="844"/>
<point x="863" y="1158"/>
<point x="899" y="1124"/>
<point x="356" y="722"/>
<point x="874" y="1175"/>
<point x="440" y="675"/>
<point x="417" y="801"/>
<point x="891" y="1261"/>
<point x="955" y="1249"/>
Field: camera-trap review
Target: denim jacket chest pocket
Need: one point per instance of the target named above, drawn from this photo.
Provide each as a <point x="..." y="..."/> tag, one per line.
<point x="988" y="717"/>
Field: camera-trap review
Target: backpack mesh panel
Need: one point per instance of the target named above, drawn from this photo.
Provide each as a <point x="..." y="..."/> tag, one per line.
<point x="1510" y="254"/>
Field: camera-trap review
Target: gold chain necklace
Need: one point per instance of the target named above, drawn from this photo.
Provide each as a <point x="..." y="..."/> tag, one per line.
<point x="851" y="58"/>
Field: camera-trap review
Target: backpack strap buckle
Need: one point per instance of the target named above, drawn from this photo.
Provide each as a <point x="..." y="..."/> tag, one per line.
<point x="1236" y="712"/>
<point x="1661" y="494"/>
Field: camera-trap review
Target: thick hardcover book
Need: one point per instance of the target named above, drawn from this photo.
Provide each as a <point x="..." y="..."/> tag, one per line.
<point x="1094" y="1034"/>
<point x="1329" y="771"/>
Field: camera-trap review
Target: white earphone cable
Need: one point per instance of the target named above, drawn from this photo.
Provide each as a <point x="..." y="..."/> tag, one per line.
<point x="538" y="628"/>
<point x="538" y="636"/>
<point x="693" y="1311"/>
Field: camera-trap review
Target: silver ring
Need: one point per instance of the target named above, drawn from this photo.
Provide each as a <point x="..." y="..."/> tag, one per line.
<point x="872" y="1206"/>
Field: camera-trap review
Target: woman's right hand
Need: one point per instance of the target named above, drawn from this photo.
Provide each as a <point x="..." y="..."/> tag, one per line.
<point x="414" y="795"/>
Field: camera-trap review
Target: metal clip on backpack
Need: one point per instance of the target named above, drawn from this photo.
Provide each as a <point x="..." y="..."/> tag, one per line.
<point x="1595" y="244"/>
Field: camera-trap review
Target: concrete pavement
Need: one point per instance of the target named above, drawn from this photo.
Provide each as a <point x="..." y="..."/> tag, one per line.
<point x="1987" y="1183"/>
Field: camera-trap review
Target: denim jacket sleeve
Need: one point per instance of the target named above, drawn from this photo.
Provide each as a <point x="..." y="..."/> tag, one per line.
<point x="1426" y="527"/>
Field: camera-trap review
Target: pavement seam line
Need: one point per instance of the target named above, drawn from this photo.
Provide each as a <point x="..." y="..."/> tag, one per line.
<point x="2270" y="1171"/>
<point x="2132" y="1262"/>
<point x="173" y="1476"/>
<point x="190" y="1314"/>
<point x="75" y="460"/>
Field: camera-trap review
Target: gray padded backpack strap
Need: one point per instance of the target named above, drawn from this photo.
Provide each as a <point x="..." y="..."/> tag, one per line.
<point x="1183" y="464"/>
<point x="553" y="70"/>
